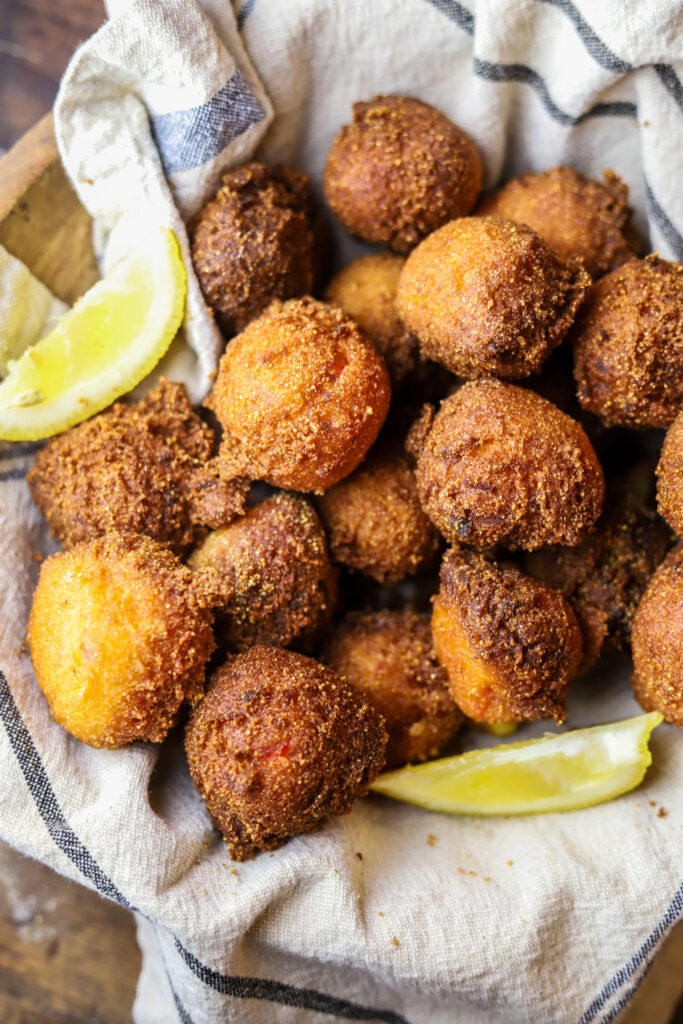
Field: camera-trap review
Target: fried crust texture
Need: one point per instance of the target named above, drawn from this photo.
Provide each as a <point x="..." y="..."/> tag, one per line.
<point x="657" y="641"/>
<point x="388" y="656"/>
<point x="487" y="298"/>
<point x="301" y="395"/>
<point x="120" y="633"/>
<point x="501" y="465"/>
<point x="510" y="645"/>
<point x="146" y="467"/>
<point x="278" y="743"/>
<point x="278" y="585"/>
<point x="400" y="170"/>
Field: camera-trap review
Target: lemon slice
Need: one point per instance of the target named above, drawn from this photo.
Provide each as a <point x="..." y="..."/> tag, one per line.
<point x="101" y="348"/>
<point x="555" y="773"/>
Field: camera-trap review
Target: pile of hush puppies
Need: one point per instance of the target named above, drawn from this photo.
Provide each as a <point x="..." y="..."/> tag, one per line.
<point x="419" y="422"/>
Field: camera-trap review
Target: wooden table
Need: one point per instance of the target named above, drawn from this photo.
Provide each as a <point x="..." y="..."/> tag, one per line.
<point x="66" y="955"/>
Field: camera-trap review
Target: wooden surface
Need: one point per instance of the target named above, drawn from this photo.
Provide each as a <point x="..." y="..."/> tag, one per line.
<point x="67" y="956"/>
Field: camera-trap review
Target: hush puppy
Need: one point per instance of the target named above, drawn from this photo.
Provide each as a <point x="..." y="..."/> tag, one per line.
<point x="511" y="645"/>
<point x="657" y="641"/>
<point x="278" y="743"/>
<point x="253" y="242"/>
<point x="399" y="171"/>
<point x="486" y="297"/>
<point x="501" y="465"/>
<point x="374" y="521"/>
<point x="145" y="467"/>
<point x="388" y="656"/>
<point x="670" y="477"/>
<point x="120" y="633"/>
<point x="277" y="582"/>
<point x="301" y="395"/>
<point x="366" y="291"/>
<point x="576" y="217"/>
<point x="605" y="576"/>
<point x="628" y="345"/>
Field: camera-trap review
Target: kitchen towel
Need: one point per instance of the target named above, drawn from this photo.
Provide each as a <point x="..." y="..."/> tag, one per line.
<point x="391" y="913"/>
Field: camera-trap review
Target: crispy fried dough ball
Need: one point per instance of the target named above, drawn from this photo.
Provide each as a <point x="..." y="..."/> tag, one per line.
<point x="279" y="742"/>
<point x="628" y="345"/>
<point x="576" y="217"/>
<point x="374" y="521"/>
<point x="388" y="656"/>
<point x="399" y="171"/>
<point x="605" y="576"/>
<point x="301" y="395"/>
<point x="277" y="582"/>
<point x="486" y="297"/>
<point x="499" y="464"/>
<point x="120" y="632"/>
<point x="145" y="467"/>
<point x="510" y="644"/>
<point x="253" y="242"/>
<point x="657" y="641"/>
<point x="670" y="477"/>
<point x="366" y="291"/>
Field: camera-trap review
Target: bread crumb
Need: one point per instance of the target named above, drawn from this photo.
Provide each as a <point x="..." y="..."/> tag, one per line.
<point x="510" y="863"/>
<point x="662" y="812"/>
<point x="394" y="941"/>
<point x="431" y="839"/>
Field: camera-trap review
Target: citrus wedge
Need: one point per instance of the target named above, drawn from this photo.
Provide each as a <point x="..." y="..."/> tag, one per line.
<point x="102" y="348"/>
<point x="556" y="773"/>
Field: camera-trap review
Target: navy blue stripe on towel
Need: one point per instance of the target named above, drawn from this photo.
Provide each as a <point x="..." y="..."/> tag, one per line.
<point x="189" y="138"/>
<point x="68" y="842"/>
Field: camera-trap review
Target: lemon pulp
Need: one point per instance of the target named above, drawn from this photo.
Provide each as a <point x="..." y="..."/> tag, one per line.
<point x="112" y="338"/>
<point x="556" y="773"/>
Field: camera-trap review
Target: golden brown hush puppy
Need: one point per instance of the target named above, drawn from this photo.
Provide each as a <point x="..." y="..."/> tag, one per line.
<point x="374" y="521"/>
<point x="388" y="656"/>
<point x="399" y="171"/>
<point x="301" y="395"/>
<point x="501" y="465"/>
<point x="120" y="632"/>
<point x="144" y="467"/>
<point x="486" y="297"/>
<point x="511" y="645"/>
<point x="605" y="576"/>
<point x="253" y="242"/>
<point x="628" y="345"/>
<point x="670" y="477"/>
<point x="277" y="582"/>
<point x="657" y="641"/>
<point x="366" y="291"/>
<point x="576" y="217"/>
<point x="278" y="743"/>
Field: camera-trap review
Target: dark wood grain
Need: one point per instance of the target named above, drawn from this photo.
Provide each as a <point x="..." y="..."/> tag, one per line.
<point x="66" y="955"/>
<point x="37" y="38"/>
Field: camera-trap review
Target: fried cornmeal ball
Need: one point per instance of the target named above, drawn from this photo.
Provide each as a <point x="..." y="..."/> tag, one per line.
<point x="120" y="633"/>
<point x="500" y="465"/>
<point x="366" y="291"/>
<point x="399" y="171"/>
<point x="510" y="644"/>
<point x="578" y="218"/>
<point x="144" y="467"/>
<point x="278" y="743"/>
<point x="605" y="576"/>
<point x="277" y="582"/>
<point x="253" y="242"/>
<point x="657" y="641"/>
<point x="301" y="395"/>
<point x="487" y="297"/>
<point x="375" y="523"/>
<point x="670" y="477"/>
<point x="628" y="345"/>
<point x="388" y="656"/>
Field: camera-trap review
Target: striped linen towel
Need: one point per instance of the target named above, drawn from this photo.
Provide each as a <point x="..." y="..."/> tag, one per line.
<point x="550" y="919"/>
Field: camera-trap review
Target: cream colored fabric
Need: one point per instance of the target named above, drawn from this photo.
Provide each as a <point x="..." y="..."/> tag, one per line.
<point x="551" y="919"/>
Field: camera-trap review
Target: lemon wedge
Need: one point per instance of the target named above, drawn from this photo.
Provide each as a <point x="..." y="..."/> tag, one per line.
<point x="112" y="338"/>
<point x="556" y="773"/>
